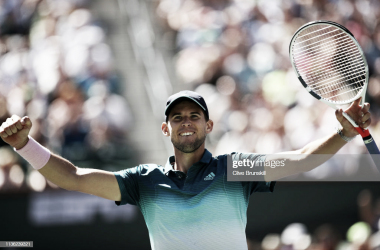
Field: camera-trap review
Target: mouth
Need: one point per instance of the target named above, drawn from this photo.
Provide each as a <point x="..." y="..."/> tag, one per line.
<point x="186" y="134"/>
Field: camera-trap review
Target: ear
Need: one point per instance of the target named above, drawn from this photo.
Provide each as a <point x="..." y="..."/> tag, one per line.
<point x="165" y="129"/>
<point x="209" y="126"/>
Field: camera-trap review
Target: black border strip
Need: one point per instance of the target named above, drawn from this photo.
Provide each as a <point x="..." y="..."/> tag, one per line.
<point x="367" y="138"/>
<point x="302" y="81"/>
<point x="310" y="91"/>
<point x="314" y="94"/>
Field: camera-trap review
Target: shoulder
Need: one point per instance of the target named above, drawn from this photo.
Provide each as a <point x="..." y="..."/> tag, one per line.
<point x="223" y="156"/>
<point x="236" y="156"/>
<point x="140" y="170"/>
<point x="150" y="168"/>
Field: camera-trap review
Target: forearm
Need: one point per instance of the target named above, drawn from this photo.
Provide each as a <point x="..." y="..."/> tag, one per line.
<point x="64" y="174"/>
<point x="305" y="159"/>
<point x="53" y="167"/>
<point x="60" y="172"/>
<point x="86" y="180"/>
<point x="318" y="152"/>
<point x="328" y="145"/>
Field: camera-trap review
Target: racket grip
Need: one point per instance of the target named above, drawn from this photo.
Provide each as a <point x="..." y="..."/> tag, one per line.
<point x="353" y="123"/>
<point x="371" y="145"/>
<point x="363" y="132"/>
<point x="373" y="150"/>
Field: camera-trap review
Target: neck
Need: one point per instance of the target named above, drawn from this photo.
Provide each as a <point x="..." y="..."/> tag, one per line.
<point x="183" y="161"/>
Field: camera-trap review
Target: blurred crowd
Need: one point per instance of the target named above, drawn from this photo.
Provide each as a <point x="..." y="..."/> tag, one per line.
<point x="56" y="68"/>
<point x="362" y="235"/>
<point x="236" y="53"/>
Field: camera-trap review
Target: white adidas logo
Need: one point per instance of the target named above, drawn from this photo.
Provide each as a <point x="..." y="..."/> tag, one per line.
<point x="209" y="177"/>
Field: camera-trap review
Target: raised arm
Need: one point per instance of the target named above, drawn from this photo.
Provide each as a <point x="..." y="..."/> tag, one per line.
<point x="299" y="161"/>
<point x="15" y="131"/>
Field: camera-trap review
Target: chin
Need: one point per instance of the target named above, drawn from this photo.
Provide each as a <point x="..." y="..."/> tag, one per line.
<point x="188" y="147"/>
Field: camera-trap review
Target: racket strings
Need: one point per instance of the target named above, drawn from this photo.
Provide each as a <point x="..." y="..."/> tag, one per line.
<point x="320" y="61"/>
<point x="334" y="82"/>
<point x="319" y="57"/>
<point x="347" y="72"/>
<point x="329" y="62"/>
<point x="348" y="92"/>
<point x="344" y="68"/>
<point x="309" y="46"/>
<point x="328" y="85"/>
<point x="311" y="32"/>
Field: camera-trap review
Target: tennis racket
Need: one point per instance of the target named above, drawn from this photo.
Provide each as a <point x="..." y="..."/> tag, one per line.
<point x="331" y="66"/>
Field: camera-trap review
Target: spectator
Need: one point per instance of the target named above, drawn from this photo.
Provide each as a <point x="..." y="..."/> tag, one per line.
<point x="54" y="65"/>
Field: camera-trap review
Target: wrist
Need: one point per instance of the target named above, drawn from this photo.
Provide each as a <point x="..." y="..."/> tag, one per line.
<point x="21" y="145"/>
<point x="34" y="153"/>
<point x="349" y="133"/>
<point x="344" y="135"/>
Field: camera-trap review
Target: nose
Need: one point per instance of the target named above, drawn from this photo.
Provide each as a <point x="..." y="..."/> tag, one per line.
<point x="186" y="122"/>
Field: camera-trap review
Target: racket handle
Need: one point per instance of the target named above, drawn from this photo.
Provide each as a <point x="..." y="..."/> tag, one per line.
<point x="373" y="150"/>
<point x="371" y="145"/>
<point x="368" y="141"/>
<point x="353" y="123"/>
<point x="363" y="132"/>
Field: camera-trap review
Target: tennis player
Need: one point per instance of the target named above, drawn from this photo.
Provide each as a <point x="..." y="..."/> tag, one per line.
<point x="187" y="203"/>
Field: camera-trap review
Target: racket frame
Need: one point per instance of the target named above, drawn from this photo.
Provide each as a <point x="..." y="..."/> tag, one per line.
<point x="363" y="132"/>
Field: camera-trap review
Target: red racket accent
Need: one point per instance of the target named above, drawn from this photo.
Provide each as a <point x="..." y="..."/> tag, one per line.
<point x="362" y="132"/>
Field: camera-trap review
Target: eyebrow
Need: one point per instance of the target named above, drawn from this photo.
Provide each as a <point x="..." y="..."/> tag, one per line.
<point x="192" y="113"/>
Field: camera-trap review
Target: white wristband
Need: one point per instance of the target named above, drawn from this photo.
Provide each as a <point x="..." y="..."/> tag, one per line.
<point x="34" y="153"/>
<point x="347" y="139"/>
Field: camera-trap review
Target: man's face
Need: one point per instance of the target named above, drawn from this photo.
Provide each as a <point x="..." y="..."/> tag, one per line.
<point x="187" y="126"/>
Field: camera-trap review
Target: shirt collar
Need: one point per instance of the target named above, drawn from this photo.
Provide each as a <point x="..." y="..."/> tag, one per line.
<point x="206" y="158"/>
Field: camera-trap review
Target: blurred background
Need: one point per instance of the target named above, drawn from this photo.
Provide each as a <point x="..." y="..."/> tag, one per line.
<point x="94" y="77"/>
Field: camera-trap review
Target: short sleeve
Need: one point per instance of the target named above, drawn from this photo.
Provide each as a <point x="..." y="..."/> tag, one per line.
<point x="128" y="180"/>
<point x="254" y="186"/>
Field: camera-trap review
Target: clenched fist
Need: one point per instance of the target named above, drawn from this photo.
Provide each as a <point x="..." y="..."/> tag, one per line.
<point x="15" y="131"/>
